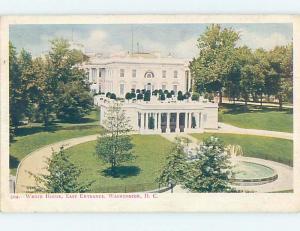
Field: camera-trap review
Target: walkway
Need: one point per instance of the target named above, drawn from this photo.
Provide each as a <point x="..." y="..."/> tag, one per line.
<point x="226" y="128"/>
<point x="35" y="162"/>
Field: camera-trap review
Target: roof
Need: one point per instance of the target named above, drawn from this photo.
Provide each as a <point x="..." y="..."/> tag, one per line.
<point x="137" y="58"/>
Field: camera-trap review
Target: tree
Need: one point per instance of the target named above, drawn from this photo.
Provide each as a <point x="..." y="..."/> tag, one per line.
<point x="175" y="169"/>
<point x="281" y="74"/>
<point x="44" y="95"/>
<point x="62" y="176"/>
<point x="17" y="98"/>
<point x="115" y="146"/>
<point x="215" y="59"/>
<point x="74" y="102"/>
<point x="169" y="95"/>
<point x="212" y="170"/>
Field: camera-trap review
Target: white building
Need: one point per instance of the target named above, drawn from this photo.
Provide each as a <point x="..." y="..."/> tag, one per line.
<point x="169" y="116"/>
<point x="119" y="74"/>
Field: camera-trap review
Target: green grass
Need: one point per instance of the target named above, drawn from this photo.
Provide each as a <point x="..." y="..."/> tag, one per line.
<point x="34" y="136"/>
<point x="136" y="175"/>
<point x="267" y="118"/>
<point x="275" y="149"/>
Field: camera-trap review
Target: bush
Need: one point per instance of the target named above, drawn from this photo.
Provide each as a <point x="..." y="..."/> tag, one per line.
<point x="155" y="92"/>
<point x="128" y="96"/>
<point x="162" y="97"/>
<point x="166" y="91"/>
<point x="108" y="94"/>
<point x="195" y="97"/>
<point x="138" y="91"/>
<point x="140" y="96"/>
<point x="132" y="90"/>
<point x="179" y="93"/>
<point x="113" y="96"/>
<point x="147" y="96"/>
<point x="133" y="95"/>
<point x="160" y="91"/>
<point x="172" y="92"/>
<point x="180" y="97"/>
<point x="169" y="95"/>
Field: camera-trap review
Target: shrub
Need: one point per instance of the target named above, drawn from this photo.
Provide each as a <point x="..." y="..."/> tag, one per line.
<point x="128" y="96"/>
<point x="162" y="97"/>
<point x="180" y="97"/>
<point x="140" y="96"/>
<point x="113" y="96"/>
<point x="179" y="93"/>
<point x="147" y="96"/>
<point x="166" y="91"/>
<point x="138" y="91"/>
<point x="133" y="95"/>
<point x="132" y="90"/>
<point x="195" y="97"/>
<point x="172" y="92"/>
<point x="108" y="94"/>
<point x="169" y="95"/>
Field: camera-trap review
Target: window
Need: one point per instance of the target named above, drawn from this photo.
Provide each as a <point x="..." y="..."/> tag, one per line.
<point x="175" y="74"/>
<point x="175" y="88"/>
<point x="122" y="89"/>
<point x="99" y="73"/>
<point x="133" y="73"/>
<point x="122" y="73"/>
<point x="94" y="74"/>
<point x="163" y="87"/>
<point x="164" y="74"/>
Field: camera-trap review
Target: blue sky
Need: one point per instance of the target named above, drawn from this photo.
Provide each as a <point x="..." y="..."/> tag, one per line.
<point x="177" y="39"/>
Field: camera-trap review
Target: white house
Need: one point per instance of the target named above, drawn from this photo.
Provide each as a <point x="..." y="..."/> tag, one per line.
<point x="120" y="74"/>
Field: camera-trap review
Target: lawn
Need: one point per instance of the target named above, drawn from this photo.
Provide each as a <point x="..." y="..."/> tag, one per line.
<point x="133" y="176"/>
<point x="267" y="118"/>
<point x="34" y="136"/>
<point x="275" y="149"/>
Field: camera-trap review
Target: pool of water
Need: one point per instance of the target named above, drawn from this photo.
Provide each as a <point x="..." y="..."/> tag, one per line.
<point x="253" y="173"/>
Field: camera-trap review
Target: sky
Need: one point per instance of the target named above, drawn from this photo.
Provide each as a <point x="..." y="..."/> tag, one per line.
<point x="177" y="39"/>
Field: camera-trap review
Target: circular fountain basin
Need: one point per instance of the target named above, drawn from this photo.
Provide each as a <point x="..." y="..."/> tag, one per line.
<point x="249" y="173"/>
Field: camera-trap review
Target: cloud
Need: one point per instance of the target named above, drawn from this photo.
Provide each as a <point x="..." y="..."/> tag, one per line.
<point x="187" y="48"/>
<point x="255" y="40"/>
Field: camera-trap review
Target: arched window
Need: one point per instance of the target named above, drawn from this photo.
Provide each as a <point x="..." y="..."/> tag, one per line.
<point x="149" y="75"/>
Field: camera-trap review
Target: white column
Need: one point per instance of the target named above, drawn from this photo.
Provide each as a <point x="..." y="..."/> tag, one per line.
<point x="168" y="122"/>
<point x="155" y="121"/>
<point x="142" y="121"/>
<point x="190" y="120"/>
<point x="177" y="122"/>
<point x="147" y="117"/>
<point x="199" y="120"/>
<point x="185" y="121"/>
<point x="159" y="122"/>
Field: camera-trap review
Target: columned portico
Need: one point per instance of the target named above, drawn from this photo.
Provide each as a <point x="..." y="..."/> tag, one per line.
<point x="167" y="117"/>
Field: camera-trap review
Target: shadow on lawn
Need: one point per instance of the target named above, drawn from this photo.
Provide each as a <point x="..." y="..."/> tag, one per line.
<point x="121" y="171"/>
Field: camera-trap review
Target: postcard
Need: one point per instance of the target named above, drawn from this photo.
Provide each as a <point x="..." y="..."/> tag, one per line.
<point x="150" y="113"/>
